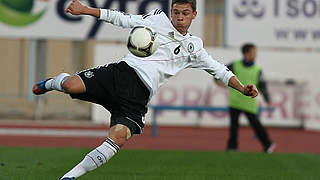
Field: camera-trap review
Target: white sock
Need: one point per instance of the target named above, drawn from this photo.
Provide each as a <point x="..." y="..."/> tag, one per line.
<point x="94" y="159"/>
<point x="56" y="82"/>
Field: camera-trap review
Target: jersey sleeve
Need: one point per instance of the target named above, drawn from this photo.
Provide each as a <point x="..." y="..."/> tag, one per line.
<point x="230" y="66"/>
<point x="124" y="20"/>
<point x="213" y="67"/>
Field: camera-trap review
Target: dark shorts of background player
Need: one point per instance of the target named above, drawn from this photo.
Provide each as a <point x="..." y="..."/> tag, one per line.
<point x="118" y="88"/>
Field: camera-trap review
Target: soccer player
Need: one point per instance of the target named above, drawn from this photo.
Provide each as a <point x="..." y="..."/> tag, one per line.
<point x="124" y="88"/>
<point x="248" y="72"/>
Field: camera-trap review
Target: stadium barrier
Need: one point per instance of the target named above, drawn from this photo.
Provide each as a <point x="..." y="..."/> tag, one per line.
<point x="157" y="108"/>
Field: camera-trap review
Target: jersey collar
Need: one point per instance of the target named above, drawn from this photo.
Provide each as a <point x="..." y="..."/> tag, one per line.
<point x="178" y="33"/>
<point x="247" y="64"/>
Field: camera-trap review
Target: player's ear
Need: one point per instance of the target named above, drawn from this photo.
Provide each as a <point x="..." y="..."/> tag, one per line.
<point x="194" y="15"/>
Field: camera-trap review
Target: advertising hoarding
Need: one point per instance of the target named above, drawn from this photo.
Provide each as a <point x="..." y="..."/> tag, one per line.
<point x="273" y="23"/>
<point x="46" y="19"/>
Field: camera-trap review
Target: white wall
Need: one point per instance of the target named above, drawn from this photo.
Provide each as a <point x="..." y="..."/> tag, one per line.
<point x="195" y="87"/>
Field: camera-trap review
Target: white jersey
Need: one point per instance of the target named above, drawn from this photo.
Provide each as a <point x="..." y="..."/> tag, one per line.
<point x="175" y="52"/>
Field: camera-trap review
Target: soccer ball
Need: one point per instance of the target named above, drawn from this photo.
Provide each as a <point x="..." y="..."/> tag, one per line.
<point x="142" y="41"/>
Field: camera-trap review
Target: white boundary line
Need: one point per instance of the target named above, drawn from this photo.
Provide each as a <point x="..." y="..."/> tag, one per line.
<point x="54" y="132"/>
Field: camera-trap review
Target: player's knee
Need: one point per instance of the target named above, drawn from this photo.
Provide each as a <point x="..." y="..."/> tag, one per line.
<point x="73" y="85"/>
<point x="119" y="134"/>
<point x="67" y="85"/>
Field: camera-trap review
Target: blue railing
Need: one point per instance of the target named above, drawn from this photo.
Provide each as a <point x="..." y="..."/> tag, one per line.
<point x="157" y="108"/>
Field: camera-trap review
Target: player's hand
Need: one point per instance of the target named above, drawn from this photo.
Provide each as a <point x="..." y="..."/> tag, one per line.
<point x="75" y="8"/>
<point x="250" y="90"/>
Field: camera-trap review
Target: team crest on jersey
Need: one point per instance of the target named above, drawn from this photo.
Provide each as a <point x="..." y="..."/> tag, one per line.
<point x="88" y="74"/>
<point x="190" y="47"/>
<point x="171" y="34"/>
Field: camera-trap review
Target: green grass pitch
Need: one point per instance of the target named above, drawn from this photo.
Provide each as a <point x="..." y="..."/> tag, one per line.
<point x="50" y="163"/>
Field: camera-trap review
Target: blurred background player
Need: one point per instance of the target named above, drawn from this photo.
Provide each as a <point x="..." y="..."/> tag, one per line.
<point x="248" y="72"/>
<point x="125" y="88"/>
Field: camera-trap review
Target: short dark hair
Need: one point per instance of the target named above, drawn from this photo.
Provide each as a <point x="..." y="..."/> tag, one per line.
<point x="192" y="2"/>
<point x="247" y="47"/>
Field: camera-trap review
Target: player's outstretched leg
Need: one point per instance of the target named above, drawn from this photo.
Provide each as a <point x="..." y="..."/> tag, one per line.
<point x="118" y="135"/>
<point x="49" y="84"/>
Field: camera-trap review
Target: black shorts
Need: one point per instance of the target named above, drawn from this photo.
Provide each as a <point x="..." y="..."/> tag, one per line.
<point x="118" y="88"/>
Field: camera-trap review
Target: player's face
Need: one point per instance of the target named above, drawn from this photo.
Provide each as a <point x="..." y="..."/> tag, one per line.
<point x="182" y="15"/>
<point x="251" y="55"/>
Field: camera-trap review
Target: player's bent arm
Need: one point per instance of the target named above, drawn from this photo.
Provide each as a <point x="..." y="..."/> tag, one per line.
<point x="248" y="90"/>
<point x="92" y="11"/>
<point x="111" y="16"/>
<point x="213" y="67"/>
<point x="77" y="8"/>
<point x="121" y="19"/>
<point x="236" y="84"/>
